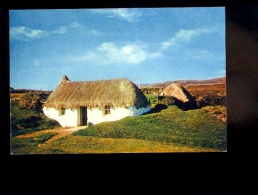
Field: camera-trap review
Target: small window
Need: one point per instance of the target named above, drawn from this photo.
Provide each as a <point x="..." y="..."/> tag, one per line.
<point x="62" y="112"/>
<point x="107" y="110"/>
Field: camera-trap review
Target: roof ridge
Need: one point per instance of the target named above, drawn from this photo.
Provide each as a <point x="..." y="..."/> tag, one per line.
<point x="99" y="80"/>
<point x="119" y="91"/>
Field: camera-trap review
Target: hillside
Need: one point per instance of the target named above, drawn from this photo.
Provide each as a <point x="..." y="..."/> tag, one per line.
<point x="169" y="130"/>
<point x="221" y="80"/>
<point x="216" y="86"/>
<point x="205" y="92"/>
<point x="200" y="89"/>
<point x="12" y="90"/>
<point x="185" y="83"/>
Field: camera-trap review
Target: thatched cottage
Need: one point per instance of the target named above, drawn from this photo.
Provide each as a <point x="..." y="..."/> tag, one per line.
<point x="178" y="91"/>
<point x="76" y="103"/>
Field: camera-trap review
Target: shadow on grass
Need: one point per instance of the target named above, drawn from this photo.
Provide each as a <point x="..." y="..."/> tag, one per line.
<point x="182" y="106"/>
<point x="157" y="108"/>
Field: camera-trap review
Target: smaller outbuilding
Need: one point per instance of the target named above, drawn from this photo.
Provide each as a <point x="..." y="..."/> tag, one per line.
<point x="177" y="94"/>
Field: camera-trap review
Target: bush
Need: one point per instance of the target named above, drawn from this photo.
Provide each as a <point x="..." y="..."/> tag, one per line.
<point x="32" y="101"/>
<point x="211" y="101"/>
<point x="25" y="121"/>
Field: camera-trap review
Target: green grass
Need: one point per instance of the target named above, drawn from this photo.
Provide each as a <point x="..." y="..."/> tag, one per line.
<point x="95" y="145"/>
<point x="193" y="128"/>
<point x="28" y="145"/>
<point x="170" y="130"/>
<point x="153" y="99"/>
<point x="25" y="121"/>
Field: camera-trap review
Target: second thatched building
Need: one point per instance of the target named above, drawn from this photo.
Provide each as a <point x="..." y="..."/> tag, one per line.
<point x="178" y="95"/>
<point x="77" y="103"/>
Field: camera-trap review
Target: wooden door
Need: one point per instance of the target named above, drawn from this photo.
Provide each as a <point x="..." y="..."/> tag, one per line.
<point x="83" y="116"/>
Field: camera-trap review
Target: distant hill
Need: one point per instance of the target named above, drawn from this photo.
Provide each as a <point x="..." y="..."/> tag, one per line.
<point x="221" y="80"/>
<point x="12" y="90"/>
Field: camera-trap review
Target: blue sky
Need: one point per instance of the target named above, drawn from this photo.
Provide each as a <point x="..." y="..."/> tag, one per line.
<point x="145" y="45"/>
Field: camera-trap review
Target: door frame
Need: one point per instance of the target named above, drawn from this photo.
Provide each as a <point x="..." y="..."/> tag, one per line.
<point x="83" y="113"/>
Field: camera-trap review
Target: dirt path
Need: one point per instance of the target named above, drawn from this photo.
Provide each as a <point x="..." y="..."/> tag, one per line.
<point x="60" y="130"/>
<point x="64" y="133"/>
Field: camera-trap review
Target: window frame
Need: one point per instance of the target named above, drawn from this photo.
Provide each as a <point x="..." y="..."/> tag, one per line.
<point x="107" y="110"/>
<point x="62" y="111"/>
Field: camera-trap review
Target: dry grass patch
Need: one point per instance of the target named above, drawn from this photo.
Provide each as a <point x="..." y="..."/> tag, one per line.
<point x="16" y="96"/>
<point x="82" y="145"/>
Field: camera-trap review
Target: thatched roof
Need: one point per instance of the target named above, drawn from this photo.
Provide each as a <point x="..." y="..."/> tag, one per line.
<point x="178" y="91"/>
<point x="113" y="92"/>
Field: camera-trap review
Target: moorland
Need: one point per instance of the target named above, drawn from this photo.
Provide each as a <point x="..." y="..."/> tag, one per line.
<point x="165" y="129"/>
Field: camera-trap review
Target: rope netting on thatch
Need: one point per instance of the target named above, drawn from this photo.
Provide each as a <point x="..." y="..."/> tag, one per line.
<point x="113" y="92"/>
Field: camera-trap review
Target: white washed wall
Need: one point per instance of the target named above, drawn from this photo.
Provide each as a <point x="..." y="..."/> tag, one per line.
<point x="69" y="119"/>
<point x="95" y="115"/>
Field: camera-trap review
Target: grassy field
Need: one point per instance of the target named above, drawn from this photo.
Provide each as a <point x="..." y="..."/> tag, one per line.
<point x="193" y="128"/>
<point x="24" y="121"/>
<point x="153" y="99"/>
<point x="170" y="130"/>
<point x="95" y="145"/>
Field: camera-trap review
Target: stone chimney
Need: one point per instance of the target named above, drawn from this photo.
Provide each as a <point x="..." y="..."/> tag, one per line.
<point x="64" y="79"/>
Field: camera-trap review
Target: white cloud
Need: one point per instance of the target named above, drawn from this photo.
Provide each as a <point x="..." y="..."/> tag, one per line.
<point x="129" y="15"/>
<point x="129" y="54"/>
<point x="126" y="14"/>
<point x="60" y="30"/>
<point x="88" y="56"/>
<point x="95" y="32"/>
<point x="111" y="53"/>
<point x="22" y="31"/>
<point x="184" y="36"/>
<point x="25" y="33"/>
<point x="75" y="25"/>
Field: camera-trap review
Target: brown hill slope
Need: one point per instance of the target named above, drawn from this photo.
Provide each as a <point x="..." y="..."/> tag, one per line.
<point x="221" y="80"/>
